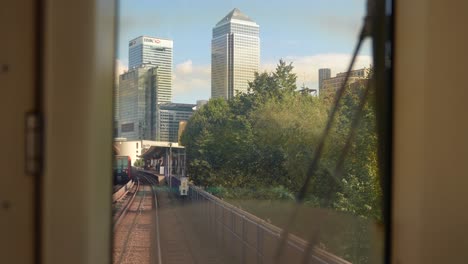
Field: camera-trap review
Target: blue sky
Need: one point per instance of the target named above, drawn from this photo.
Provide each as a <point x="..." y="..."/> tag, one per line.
<point x="310" y="33"/>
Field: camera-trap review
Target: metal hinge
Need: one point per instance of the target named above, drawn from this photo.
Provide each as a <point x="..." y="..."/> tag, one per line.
<point x="33" y="143"/>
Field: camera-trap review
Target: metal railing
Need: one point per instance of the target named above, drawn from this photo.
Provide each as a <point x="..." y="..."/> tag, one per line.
<point x="247" y="238"/>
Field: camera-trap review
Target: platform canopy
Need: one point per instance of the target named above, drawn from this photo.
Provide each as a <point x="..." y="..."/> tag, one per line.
<point x="159" y="151"/>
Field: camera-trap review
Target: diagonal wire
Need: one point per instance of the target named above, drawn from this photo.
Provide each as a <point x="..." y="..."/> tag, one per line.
<point x="318" y="153"/>
<point x="338" y="168"/>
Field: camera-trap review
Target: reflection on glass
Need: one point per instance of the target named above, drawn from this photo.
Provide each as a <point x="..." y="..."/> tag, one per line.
<point x="232" y="179"/>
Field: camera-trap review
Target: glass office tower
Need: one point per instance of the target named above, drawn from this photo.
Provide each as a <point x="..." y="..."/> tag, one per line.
<point x="170" y="116"/>
<point x="137" y="103"/>
<point x="146" y="50"/>
<point x="235" y="54"/>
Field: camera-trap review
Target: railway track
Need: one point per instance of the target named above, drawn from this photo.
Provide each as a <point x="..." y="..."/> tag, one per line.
<point x="156" y="256"/>
<point x="183" y="235"/>
<point x="133" y="226"/>
<point x="155" y="226"/>
<point x="120" y="209"/>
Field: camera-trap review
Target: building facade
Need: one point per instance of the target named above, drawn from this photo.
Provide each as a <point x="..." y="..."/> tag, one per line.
<point x="116" y="111"/>
<point x="169" y="117"/>
<point x="324" y="74"/>
<point x="235" y="54"/>
<point x="137" y="100"/>
<point x="158" y="52"/>
<point x="147" y="84"/>
<point x="335" y="83"/>
<point x="201" y="103"/>
<point x="141" y="116"/>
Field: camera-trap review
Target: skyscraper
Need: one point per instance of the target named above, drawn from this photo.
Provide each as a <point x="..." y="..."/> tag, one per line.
<point x="235" y="54"/>
<point x="147" y="84"/>
<point x="170" y="116"/>
<point x="137" y="116"/>
<point x="146" y="50"/>
<point x="323" y="74"/>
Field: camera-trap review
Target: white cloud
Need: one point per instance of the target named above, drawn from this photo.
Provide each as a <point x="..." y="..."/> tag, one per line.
<point x="191" y="82"/>
<point x="307" y="67"/>
<point x="185" y="67"/>
<point x="120" y="67"/>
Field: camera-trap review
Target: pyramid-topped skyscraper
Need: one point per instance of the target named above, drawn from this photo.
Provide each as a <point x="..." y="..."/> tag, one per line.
<point x="235" y="54"/>
<point x="235" y="14"/>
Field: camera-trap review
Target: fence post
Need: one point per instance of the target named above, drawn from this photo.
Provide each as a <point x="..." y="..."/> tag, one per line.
<point x="215" y="223"/>
<point x="259" y="244"/>
<point x="233" y="229"/>
<point x="222" y="225"/>
<point x="243" y="241"/>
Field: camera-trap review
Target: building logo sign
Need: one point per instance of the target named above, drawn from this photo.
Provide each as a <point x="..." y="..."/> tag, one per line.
<point x="150" y="41"/>
<point x="157" y="41"/>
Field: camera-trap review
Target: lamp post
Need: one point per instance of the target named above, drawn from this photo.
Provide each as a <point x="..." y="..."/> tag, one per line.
<point x="185" y="163"/>
<point x="169" y="166"/>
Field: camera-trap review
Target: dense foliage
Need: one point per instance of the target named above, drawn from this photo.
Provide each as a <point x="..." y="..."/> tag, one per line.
<point x="139" y="163"/>
<point x="265" y="139"/>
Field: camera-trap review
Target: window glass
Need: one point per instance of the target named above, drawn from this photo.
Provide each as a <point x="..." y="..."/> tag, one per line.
<point x="258" y="144"/>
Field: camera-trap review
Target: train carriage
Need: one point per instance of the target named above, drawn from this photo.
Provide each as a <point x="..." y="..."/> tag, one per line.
<point x="122" y="169"/>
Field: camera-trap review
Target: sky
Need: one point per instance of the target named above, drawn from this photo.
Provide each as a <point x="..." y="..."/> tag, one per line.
<point x="311" y="34"/>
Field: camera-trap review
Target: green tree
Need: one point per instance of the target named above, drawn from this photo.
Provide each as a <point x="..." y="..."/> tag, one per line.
<point x="359" y="188"/>
<point x="286" y="132"/>
<point x="276" y="84"/>
<point x="138" y="163"/>
<point x="267" y="137"/>
<point x="260" y="144"/>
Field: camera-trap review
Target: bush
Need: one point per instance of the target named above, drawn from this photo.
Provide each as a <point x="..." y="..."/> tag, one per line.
<point x="273" y="193"/>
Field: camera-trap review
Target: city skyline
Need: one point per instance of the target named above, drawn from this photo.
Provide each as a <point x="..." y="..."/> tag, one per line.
<point x="315" y="35"/>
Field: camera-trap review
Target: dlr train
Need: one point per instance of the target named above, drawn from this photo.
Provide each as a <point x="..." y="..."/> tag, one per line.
<point x="122" y="172"/>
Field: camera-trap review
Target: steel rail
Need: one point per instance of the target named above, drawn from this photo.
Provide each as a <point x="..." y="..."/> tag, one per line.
<point x="156" y="206"/>
<point x="114" y="200"/>
<point x="124" y="248"/>
<point x="127" y="205"/>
